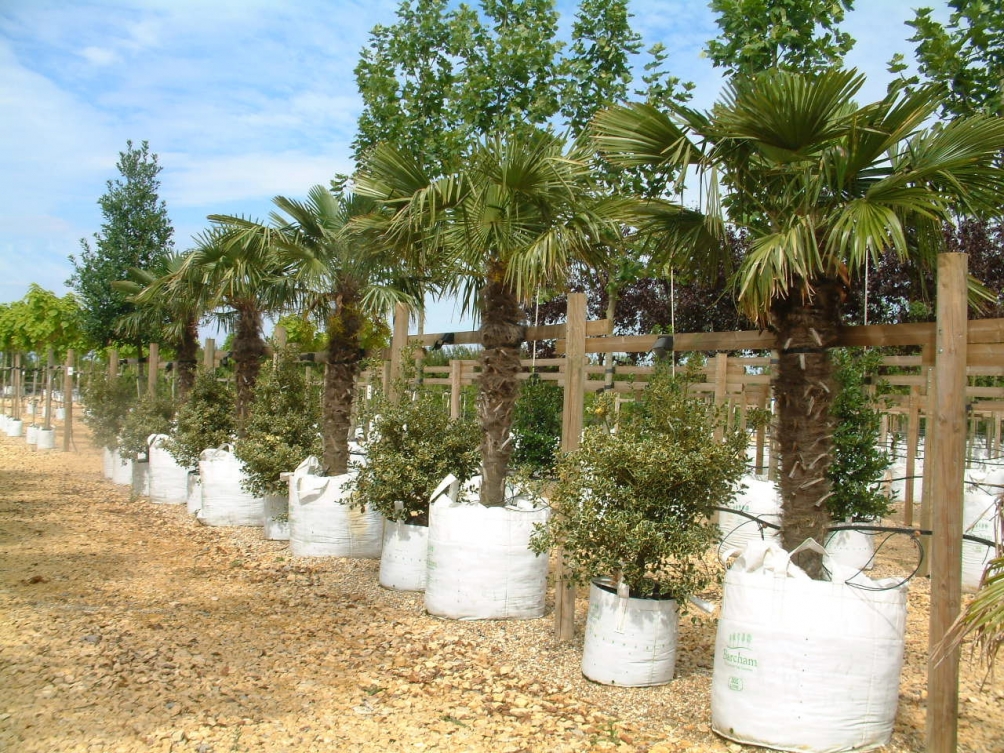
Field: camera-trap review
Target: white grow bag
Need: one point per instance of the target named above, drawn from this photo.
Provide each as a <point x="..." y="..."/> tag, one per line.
<point x="141" y="477"/>
<point x="480" y="565"/>
<point x="759" y="498"/>
<point x="46" y="439"/>
<point x="403" y="562"/>
<point x="31" y="435"/>
<point x="168" y="479"/>
<point x="277" y="517"/>
<point x="630" y="642"/>
<point x="224" y="501"/>
<point x="322" y="523"/>
<point x="804" y="665"/>
<point x="121" y="469"/>
<point x="978" y="519"/>
<point x="14" y="427"/>
<point x="194" y="498"/>
<point x="853" y="549"/>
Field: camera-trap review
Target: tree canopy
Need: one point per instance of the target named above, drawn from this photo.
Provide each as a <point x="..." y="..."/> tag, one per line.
<point x="136" y="232"/>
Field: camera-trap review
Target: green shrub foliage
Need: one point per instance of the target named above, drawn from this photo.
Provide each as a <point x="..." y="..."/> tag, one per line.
<point x="413" y="445"/>
<point x="107" y="401"/>
<point x="536" y="426"/>
<point x="636" y="499"/>
<point x="858" y="464"/>
<point x="205" y="420"/>
<point x="282" y="425"/>
<point x="153" y="414"/>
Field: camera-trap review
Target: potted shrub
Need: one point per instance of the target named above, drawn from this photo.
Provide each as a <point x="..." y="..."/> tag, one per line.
<point x="632" y="512"/>
<point x="279" y="433"/>
<point x="536" y="426"/>
<point x="412" y="447"/>
<point x="107" y="400"/>
<point x="150" y="416"/>
<point x="205" y="420"/>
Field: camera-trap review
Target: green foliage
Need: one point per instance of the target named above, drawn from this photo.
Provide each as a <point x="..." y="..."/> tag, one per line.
<point x="282" y="425"/>
<point x="536" y="426"/>
<point x="136" y="232"/>
<point x="638" y="500"/>
<point x="41" y="320"/>
<point x="302" y="333"/>
<point x="800" y="35"/>
<point x="153" y="414"/>
<point x="858" y="464"/>
<point x="966" y="55"/>
<point x="107" y="401"/>
<point x="206" y="420"/>
<point x="413" y="445"/>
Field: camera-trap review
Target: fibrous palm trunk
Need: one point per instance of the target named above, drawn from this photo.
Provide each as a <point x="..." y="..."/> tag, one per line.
<point x="803" y="388"/>
<point x="343" y="357"/>
<point x="188" y="349"/>
<point x="502" y="335"/>
<point x="249" y="349"/>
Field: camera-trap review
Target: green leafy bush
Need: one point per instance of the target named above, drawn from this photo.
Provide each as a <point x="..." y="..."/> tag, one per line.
<point x="536" y="426"/>
<point x="205" y="420"/>
<point x="281" y="428"/>
<point x="858" y="465"/>
<point x="107" y="401"/>
<point x="635" y="500"/>
<point x="413" y="445"/>
<point x="153" y="414"/>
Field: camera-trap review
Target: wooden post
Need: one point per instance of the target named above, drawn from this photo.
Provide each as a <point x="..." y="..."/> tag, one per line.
<point x="948" y="477"/>
<point x="113" y="363"/>
<point x="153" y="366"/>
<point x="912" y="435"/>
<point x="571" y="431"/>
<point x="68" y="400"/>
<point x="18" y="378"/>
<point x="398" y="343"/>
<point x="456" y="381"/>
<point x="280" y="336"/>
<point x="761" y="431"/>
<point x="930" y="429"/>
<point x="721" y="382"/>
<point x="50" y="364"/>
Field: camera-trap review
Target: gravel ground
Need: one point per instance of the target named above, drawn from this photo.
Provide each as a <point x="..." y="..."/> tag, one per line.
<point x="127" y="626"/>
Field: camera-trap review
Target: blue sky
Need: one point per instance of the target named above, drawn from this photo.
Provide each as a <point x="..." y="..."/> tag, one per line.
<point x="242" y="100"/>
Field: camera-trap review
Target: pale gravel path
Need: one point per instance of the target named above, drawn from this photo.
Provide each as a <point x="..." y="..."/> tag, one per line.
<point x="127" y="626"/>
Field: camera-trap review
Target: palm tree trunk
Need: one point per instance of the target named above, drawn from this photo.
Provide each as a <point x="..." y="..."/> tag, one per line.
<point x="803" y="388"/>
<point x="249" y="349"/>
<point x="344" y="354"/>
<point x="188" y="349"/>
<point x="502" y="335"/>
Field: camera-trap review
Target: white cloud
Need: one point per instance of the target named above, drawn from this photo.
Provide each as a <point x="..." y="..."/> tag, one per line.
<point x="100" y="56"/>
<point x="214" y="181"/>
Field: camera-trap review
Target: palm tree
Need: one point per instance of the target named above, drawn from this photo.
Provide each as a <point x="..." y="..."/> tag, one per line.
<point x="175" y="303"/>
<point x="821" y="185"/>
<point x="509" y="222"/>
<point x="340" y="277"/>
<point x="243" y="280"/>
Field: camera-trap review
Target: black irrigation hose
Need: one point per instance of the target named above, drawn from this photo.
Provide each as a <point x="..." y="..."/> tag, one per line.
<point x="914" y="534"/>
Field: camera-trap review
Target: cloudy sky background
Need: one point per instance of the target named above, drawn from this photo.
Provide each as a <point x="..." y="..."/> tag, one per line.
<point x="241" y="100"/>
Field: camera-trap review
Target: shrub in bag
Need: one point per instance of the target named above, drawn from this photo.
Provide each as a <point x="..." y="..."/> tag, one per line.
<point x="805" y="665"/>
<point x="224" y="501"/>
<point x="323" y="523"/>
<point x="480" y="565"/>
<point x="168" y="479"/>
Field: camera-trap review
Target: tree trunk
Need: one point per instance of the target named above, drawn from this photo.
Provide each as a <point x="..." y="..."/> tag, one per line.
<point x="188" y="349"/>
<point x="502" y="334"/>
<point x="249" y="349"/>
<point x="344" y="354"/>
<point x="803" y="388"/>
